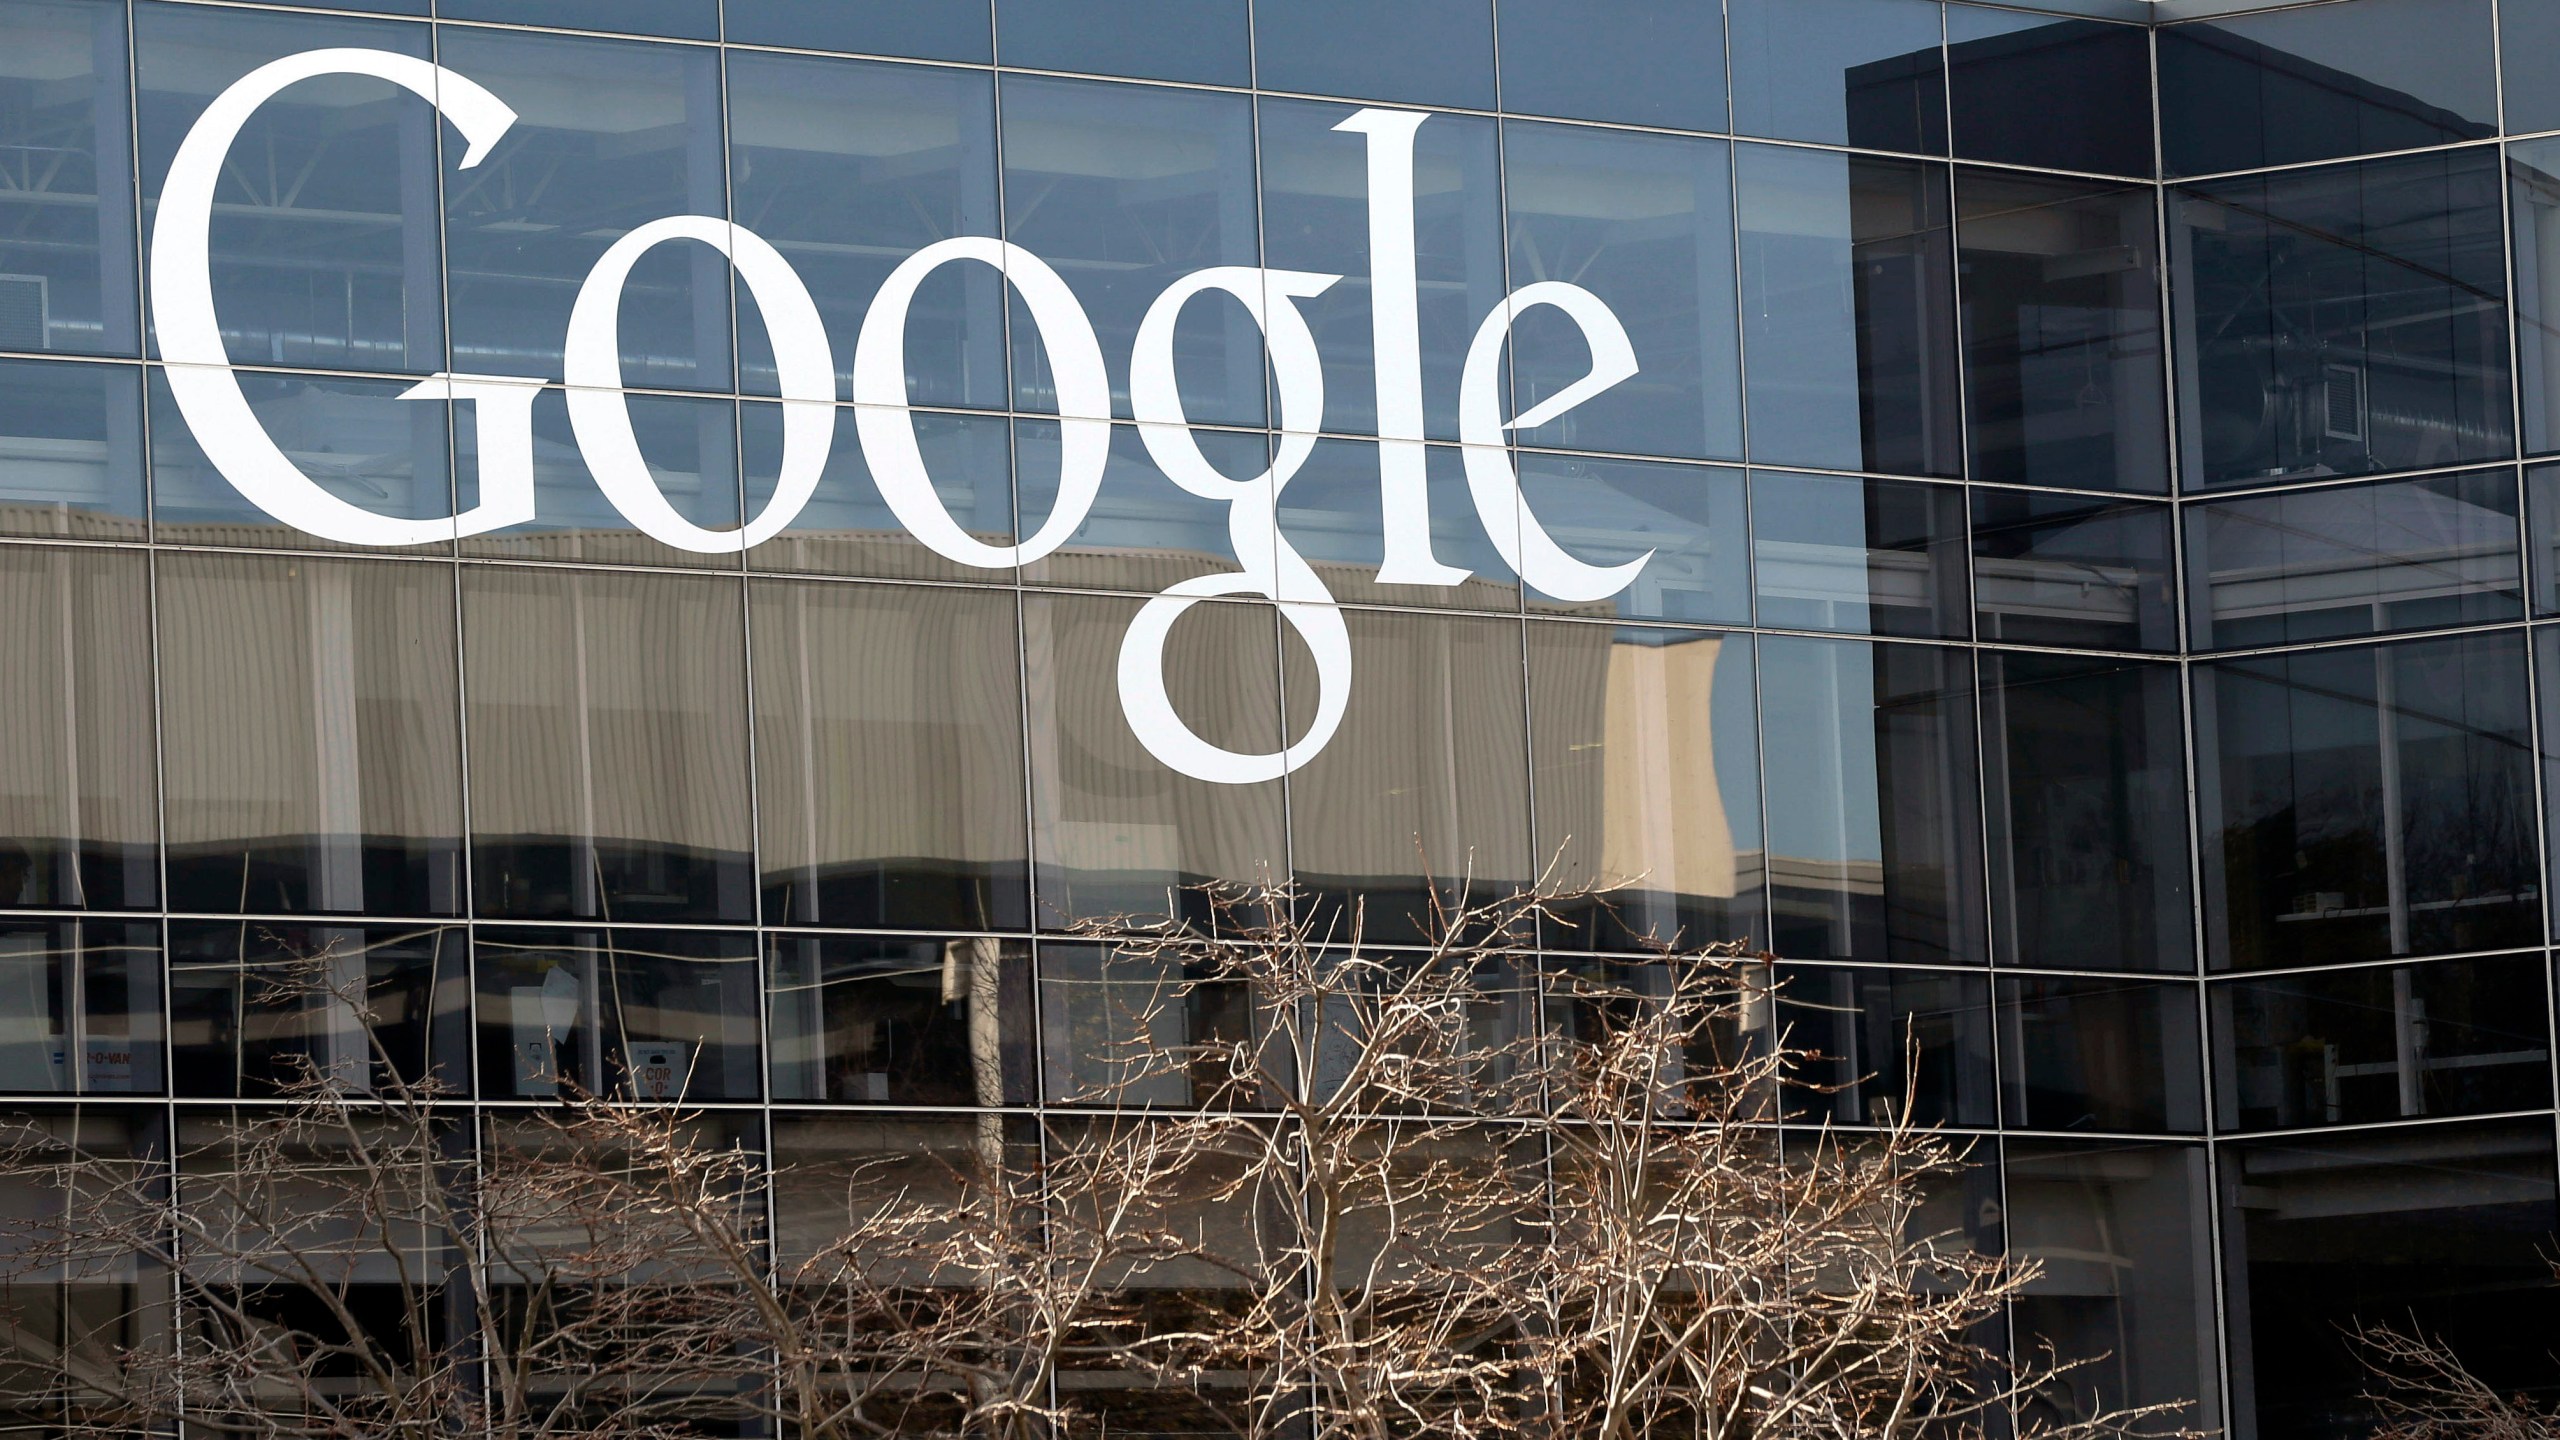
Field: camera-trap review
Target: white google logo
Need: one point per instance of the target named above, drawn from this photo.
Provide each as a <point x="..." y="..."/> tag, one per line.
<point x="209" y="396"/>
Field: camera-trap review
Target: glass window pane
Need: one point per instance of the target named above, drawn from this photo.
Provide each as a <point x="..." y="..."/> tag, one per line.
<point x="71" y="450"/>
<point x="2533" y="185"/>
<point x="256" y="1008"/>
<point x="689" y="444"/>
<point x="1639" y="62"/>
<point x="1848" y="306"/>
<point x="608" y="746"/>
<point x="324" y="244"/>
<point x="2442" y="1231"/>
<point x="1208" y="41"/>
<point x="1841" y="72"/>
<point x="2062" y="94"/>
<point x="2342" y="320"/>
<point x="2088" y="1054"/>
<point x="309" y="730"/>
<point x="1125" y="189"/>
<point x="2542" y="537"/>
<point x="1334" y="514"/>
<point x="1115" y="831"/>
<point x="613" y="134"/>
<point x="2529" y="51"/>
<point x="1646" y="764"/>
<point x="1101" y="1006"/>
<point x="1692" y="519"/>
<point x="847" y="527"/>
<point x="2366" y="801"/>
<point x="2063" y="380"/>
<point x="2123" y="1235"/>
<point x="1422" y="791"/>
<point x="962" y="30"/>
<point x="1315" y="216"/>
<point x="634" y="1014"/>
<point x="1868" y="557"/>
<point x="80" y="1007"/>
<point x="2086" y="779"/>
<point x="2354" y="560"/>
<point x="79" y="798"/>
<point x="1142" y="532"/>
<point x="2064" y="570"/>
<point x="2458" y="1037"/>
<point x="2325" y="80"/>
<point x="847" y="168"/>
<point x="67" y="278"/>
<point x="1874" y="814"/>
<point x="675" y="19"/>
<point x="889" y="756"/>
<point x="1879" y="1040"/>
<point x="901" y="1022"/>
<point x="1646" y="223"/>
<point x="357" y="440"/>
<point x="1421" y="52"/>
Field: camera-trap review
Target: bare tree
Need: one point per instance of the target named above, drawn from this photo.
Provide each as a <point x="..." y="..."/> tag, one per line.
<point x="2424" y="1391"/>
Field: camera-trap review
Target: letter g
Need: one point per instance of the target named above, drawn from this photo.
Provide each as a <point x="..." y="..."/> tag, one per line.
<point x="199" y="369"/>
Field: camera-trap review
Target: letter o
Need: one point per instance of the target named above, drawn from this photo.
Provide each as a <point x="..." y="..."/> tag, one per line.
<point x="600" y="413"/>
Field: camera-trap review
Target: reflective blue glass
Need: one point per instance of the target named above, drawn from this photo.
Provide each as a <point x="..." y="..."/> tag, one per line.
<point x="1124" y="189"/>
<point x="1333" y="513"/>
<point x="674" y="19"/>
<point x="2529" y="52"/>
<point x="324" y="243"/>
<point x="2031" y="89"/>
<point x="847" y="527"/>
<point x="1867" y="73"/>
<point x="1692" y="519"/>
<point x="1420" y="52"/>
<point x="689" y="444"/>
<point x="67" y="276"/>
<point x="1206" y="41"/>
<point x="847" y="168"/>
<point x="613" y="134"/>
<point x="1638" y="62"/>
<point x="1645" y="222"/>
<point x="2317" y="81"/>
<point x="1866" y="557"/>
<point x="356" y="439"/>
<point x="1144" y="532"/>
<point x="961" y="30"/>
<point x="71" y="450"/>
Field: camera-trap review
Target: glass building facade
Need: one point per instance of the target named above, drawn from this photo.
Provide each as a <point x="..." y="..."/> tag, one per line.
<point x="2088" y="487"/>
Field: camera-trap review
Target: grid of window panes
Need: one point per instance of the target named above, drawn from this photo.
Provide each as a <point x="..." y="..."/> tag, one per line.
<point x="2090" y="471"/>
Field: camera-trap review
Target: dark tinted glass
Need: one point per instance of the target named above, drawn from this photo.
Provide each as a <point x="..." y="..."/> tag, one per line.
<point x="66" y="223"/>
<point x="1646" y="223"/>
<point x="2542" y="537"/>
<point x="2366" y="801"/>
<point x="255" y="1008"/>
<point x="615" y="134"/>
<point x="1884" y="1039"/>
<point x="889" y="756"/>
<point x="689" y="444"/>
<point x="1869" y="557"/>
<point x="324" y="246"/>
<point x="357" y="440"/>
<point x="2123" y="1235"/>
<point x="309" y="726"/>
<point x="1844" y="72"/>
<point x="637" y="1014"/>
<point x="1114" y="831"/>
<point x="2442" y="1232"/>
<point x="71" y="450"/>
<point x="1099" y="1005"/>
<point x="1874" y="800"/>
<point x="2063" y="381"/>
<point x="2459" y="1037"/>
<point x="1316" y="216"/>
<point x="2115" y="1055"/>
<point x="1619" y="718"/>
<point x="675" y="19"/>
<point x="949" y="30"/>
<point x="1848" y="304"/>
<point x="847" y="168"/>
<point x="2322" y="80"/>
<point x="908" y="1022"/>
<point x="1419" y="794"/>
<point x="2085" y="770"/>
<point x="79" y="799"/>
<point x="1209" y="41"/>
<point x="608" y="746"/>
<point x="2354" y="560"/>
<point x="2529" y="49"/>
<point x="1333" y="512"/>
<point x="1421" y="52"/>
<point x="80" y="1007"/>
<point x="2345" y="319"/>
<point x="1692" y="519"/>
<point x="2064" y="94"/>
<point x="2533" y="185"/>
<point x="847" y="527"/>
<point x="2064" y="570"/>
<point x="1126" y="189"/>
<point x="1640" y="62"/>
